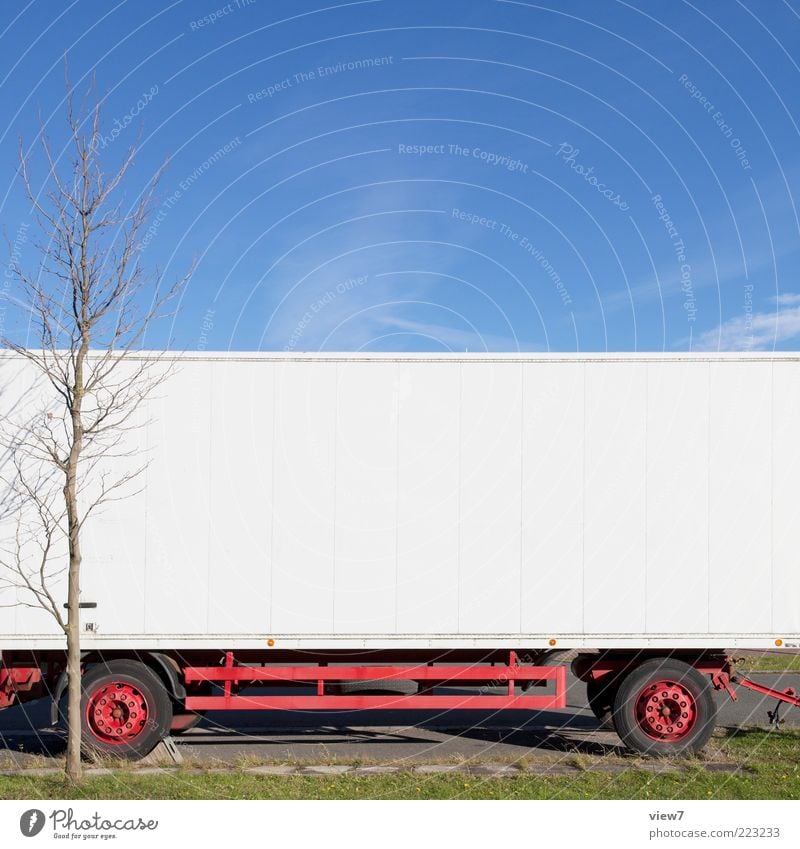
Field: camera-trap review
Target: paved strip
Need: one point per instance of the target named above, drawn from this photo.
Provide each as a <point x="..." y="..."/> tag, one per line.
<point x="475" y="770"/>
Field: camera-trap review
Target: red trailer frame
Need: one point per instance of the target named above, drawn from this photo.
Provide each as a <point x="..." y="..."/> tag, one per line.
<point x="133" y="700"/>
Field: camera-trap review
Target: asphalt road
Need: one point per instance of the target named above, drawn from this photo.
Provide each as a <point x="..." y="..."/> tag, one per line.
<point x="389" y="737"/>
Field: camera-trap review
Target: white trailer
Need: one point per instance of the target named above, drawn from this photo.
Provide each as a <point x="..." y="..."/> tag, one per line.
<point x="311" y="518"/>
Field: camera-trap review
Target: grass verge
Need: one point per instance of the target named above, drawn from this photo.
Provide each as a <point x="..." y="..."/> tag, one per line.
<point x="769" y="769"/>
<point x="769" y="662"/>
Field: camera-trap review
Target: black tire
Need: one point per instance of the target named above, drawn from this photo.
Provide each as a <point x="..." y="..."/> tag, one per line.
<point x="600" y="694"/>
<point x="184" y="720"/>
<point x="549" y="658"/>
<point x="125" y="709"/>
<point x="387" y="687"/>
<point x="675" y="718"/>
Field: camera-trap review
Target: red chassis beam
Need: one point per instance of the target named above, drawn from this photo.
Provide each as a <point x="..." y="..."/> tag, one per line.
<point x="545" y="702"/>
<point x="788" y="695"/>
<point x="500" y="674"/>
<point x="506" y="675"/>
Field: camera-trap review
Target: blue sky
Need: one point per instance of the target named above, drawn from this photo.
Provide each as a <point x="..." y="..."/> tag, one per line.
<point x="445" y="176"/>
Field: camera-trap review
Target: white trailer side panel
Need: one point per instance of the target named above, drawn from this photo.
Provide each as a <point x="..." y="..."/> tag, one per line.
<point x="740" y="520"/>
<point x="615" y="551"/>
<point x="453" y="501"/>
<point x="304" y="499"/>
<point x="677" y="497"/>
<point x="552" y="493"/>
<point x="239" y="522"/>
<point x="785" y="574"/>
<point x="177" y="504"/>
<point x="365" y="549"/>
<point x="428" y="498"/>
<point x="116" y="549"/>
<point x="491" y="498"/>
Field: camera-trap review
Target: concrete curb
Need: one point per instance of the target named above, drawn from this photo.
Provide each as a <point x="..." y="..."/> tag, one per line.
<point x="332" y="770"/>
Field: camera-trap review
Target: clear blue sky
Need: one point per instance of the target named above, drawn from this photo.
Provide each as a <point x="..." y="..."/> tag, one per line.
<point x="440" y="175"/>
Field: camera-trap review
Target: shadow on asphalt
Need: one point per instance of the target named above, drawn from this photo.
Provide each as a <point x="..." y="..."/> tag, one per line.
<point x="538" y="733"/>
<point x="25" y="730"/>
<point x="44" y="743"/>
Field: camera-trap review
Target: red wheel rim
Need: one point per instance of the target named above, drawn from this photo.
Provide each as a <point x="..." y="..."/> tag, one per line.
<point x="117" y="712"/>
<point x="666" y="711"/>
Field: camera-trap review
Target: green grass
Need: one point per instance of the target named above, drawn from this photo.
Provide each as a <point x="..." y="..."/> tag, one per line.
<point x="769" y="662"/>
<point x="768" y="764"/>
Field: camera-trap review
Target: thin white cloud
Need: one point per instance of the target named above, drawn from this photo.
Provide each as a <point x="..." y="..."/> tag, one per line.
<point x="787" y="299"/>
<point x="666" y="283"/>
<point x="758" y="331"/>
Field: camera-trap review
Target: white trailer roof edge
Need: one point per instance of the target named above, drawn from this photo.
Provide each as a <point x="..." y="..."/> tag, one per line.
<point x="487" y="357"/>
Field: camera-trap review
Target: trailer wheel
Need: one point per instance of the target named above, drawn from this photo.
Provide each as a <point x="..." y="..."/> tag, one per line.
<point x="548" y="658"/>
<point x="665" y="707"/>
<point x="377" y="687"/>
<point x="183" y="721"/>
<point x="600" y="694"/>
<point x="125" y="709"/>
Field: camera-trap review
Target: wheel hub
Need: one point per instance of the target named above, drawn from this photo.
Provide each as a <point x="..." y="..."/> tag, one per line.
<point x="117" y="712"/>
<point x="666" y="711"/>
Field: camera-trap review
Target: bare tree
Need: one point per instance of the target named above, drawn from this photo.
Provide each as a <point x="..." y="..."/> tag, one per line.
<point x="90" y="305"/>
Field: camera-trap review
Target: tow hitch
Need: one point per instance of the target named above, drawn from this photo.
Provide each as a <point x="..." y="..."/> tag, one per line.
<point x="723" y="681"/>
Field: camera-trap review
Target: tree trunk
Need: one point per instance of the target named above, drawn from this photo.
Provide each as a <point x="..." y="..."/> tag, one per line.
<point x="74" y="768"/>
